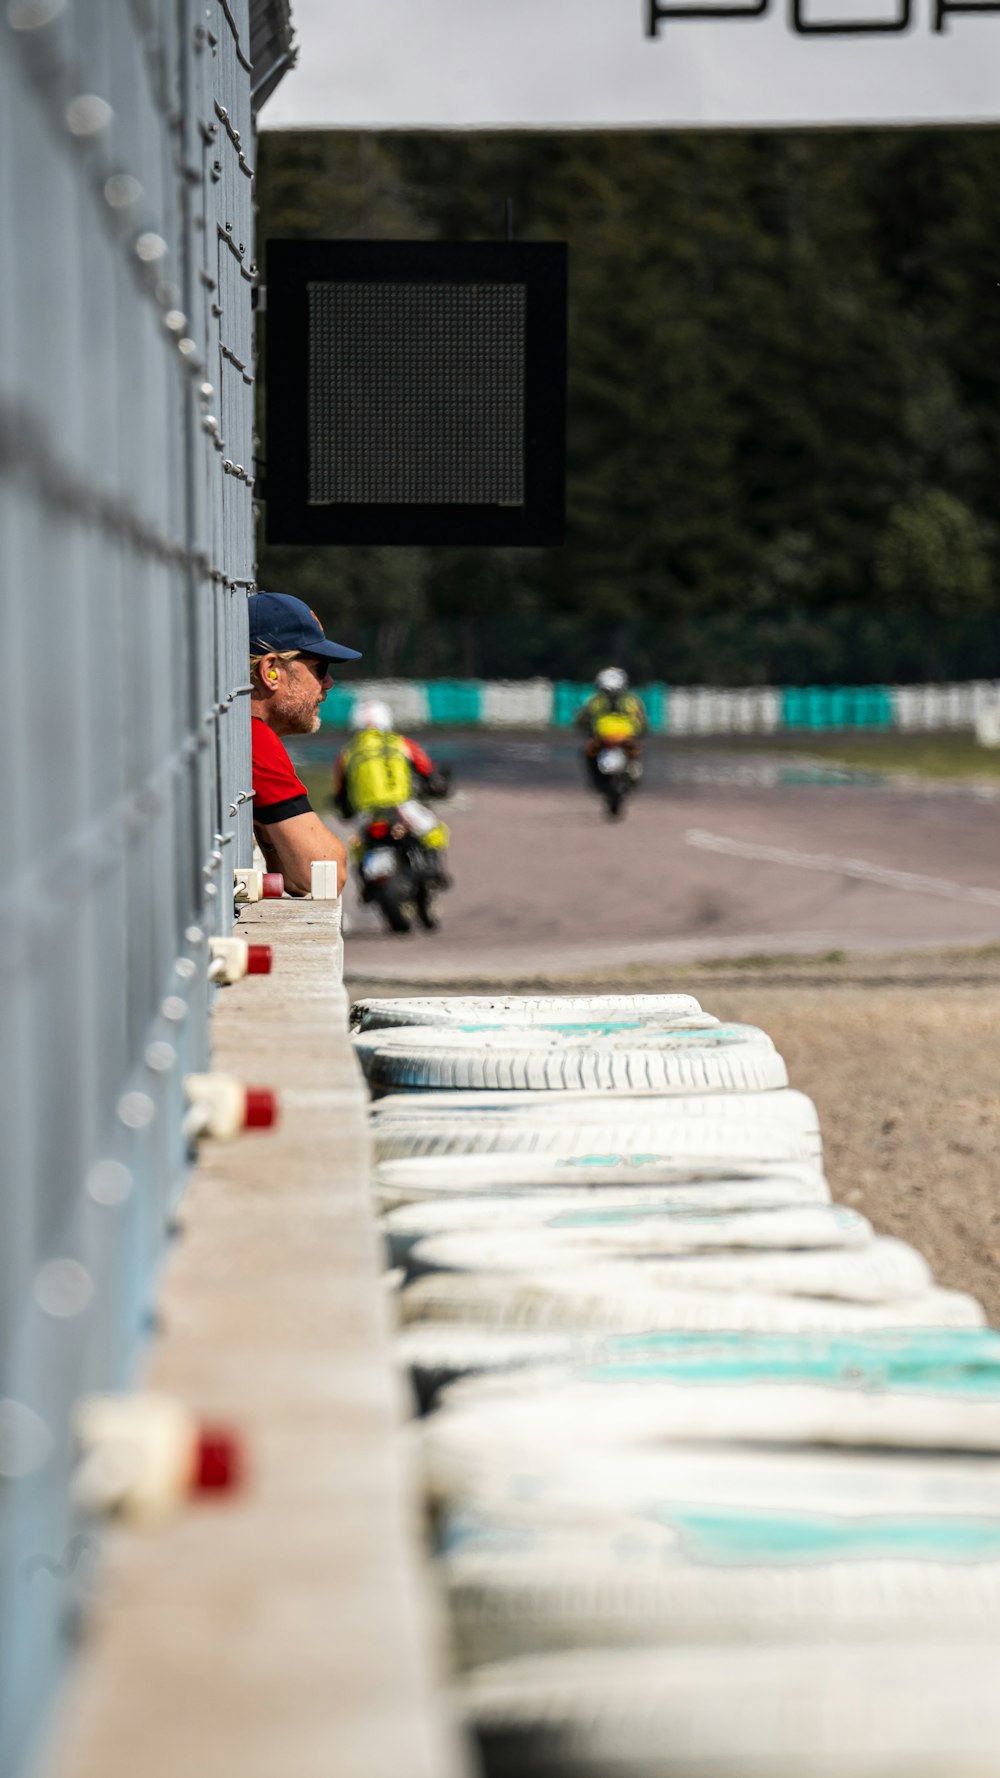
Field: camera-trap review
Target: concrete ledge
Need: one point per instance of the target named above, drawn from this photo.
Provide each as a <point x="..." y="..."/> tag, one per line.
<point x="285" y="1632"/>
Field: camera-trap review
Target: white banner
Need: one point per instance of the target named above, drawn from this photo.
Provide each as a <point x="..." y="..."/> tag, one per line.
<point x="553" y="64"/>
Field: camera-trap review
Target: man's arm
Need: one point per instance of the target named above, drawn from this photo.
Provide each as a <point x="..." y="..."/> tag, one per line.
<point x="293" y="846"/>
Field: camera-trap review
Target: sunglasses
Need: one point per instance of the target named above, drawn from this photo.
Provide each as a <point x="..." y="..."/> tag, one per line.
<point x="320" y="667"/>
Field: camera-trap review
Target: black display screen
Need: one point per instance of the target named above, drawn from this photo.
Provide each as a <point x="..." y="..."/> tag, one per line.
<point x="415" y="392"/>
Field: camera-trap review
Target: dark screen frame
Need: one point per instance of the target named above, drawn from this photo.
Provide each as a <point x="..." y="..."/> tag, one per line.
<point x="541" y="266"/>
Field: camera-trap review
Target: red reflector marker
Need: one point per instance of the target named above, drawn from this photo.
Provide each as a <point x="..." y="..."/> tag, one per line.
<point x="219" y="1465"/>
<point x="273" y="886"/>
<point x="259" y="959"/>
<point x="261" y="1109"/>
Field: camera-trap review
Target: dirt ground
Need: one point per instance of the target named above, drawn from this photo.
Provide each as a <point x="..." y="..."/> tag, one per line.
<point x="901" y="1056"/>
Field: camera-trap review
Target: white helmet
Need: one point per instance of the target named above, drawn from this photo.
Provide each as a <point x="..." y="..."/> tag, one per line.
<point x="612" y="679"/>
<point x="372" y="714"/>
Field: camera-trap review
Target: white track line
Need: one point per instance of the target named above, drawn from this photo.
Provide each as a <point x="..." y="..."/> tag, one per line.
<point x="843" y="867"/>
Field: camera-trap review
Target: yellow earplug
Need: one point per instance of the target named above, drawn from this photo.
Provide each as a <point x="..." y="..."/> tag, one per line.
<point x="272" y="674"/>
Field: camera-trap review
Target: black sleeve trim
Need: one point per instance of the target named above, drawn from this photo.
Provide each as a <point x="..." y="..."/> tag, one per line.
<point x="292" y="805"/>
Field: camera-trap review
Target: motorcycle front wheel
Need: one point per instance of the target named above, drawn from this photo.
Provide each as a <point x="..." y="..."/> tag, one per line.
<point x="614" y="797"/>
<point x="425" y="909"/>
<point x="392" y="908"/>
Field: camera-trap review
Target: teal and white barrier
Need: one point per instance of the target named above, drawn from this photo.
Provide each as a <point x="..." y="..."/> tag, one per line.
<point x="673" y="709"/>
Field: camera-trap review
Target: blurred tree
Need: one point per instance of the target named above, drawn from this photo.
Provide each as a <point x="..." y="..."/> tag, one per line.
<point x="784" y="400"/>
<point x="931" y="555"/>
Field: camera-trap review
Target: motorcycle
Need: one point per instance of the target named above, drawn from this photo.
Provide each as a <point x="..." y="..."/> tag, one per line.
<point x="615" y="762"/>
<point x="396" y="872"/>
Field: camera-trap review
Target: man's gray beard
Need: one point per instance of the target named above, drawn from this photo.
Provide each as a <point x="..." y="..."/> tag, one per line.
<point x="297" y="723"/>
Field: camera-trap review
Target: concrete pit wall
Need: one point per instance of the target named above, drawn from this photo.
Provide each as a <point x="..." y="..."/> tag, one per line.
<point x="283" y="1628"/>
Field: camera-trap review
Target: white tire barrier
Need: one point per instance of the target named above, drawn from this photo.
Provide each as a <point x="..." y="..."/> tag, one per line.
<point x="632" y="1179"/>
<point x="710" y="710"/>
<point x="642" y="1227"/>
<point x="407" y="699"/>
<point x="964" y="1361"/>
<point x="622" y="1300"/>
<point x="520" y="1009"/>
<point x="680" y="709"/>
<point x="553" y="1490"/>
<point x="432" y="1238"/>
<point x="517" y="1414"/>
<point x="785" y="1106"/>
<point x="884" y="1272"/>
<point x="987" y="726"/>
<point x="961" y="1365"/>
<point x="432" y="1040"/>
<point x="943" y="706"/>
<point x="736" y="1711"/>
<point x="596" y="1130"/>
<point x="723" y="1058"/>
<point x="668" y="1144"/>
<point x="661" y="1144"/>
<point x="682" y="1399"/>
<point x="525" y="703"/>
<point x="567" y="1459"/>
<point x="695" y="1575"/>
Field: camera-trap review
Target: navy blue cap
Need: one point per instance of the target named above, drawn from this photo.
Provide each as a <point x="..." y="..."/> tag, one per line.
<point x="279" y="622"/>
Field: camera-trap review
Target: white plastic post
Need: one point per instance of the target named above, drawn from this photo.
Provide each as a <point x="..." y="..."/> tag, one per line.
<point x="248" y="885"/>
<point x="324" y="880"/>
<point x="216" y="1106"/>
<point x="229" y="959"/>
<point x="136" y="1455"/>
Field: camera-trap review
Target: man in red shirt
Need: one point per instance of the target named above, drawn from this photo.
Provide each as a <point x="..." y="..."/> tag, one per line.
<point x="289" y="674"/>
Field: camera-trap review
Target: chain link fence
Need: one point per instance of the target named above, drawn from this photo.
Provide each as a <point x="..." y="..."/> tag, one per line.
<point x="126" y="552"/>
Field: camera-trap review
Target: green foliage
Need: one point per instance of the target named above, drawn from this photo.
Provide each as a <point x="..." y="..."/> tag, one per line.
<point x="931" y="553"/>
<point x="784" y="403"/>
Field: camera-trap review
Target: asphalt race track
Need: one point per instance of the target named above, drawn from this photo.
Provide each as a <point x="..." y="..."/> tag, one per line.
<point x="722" y="853"/>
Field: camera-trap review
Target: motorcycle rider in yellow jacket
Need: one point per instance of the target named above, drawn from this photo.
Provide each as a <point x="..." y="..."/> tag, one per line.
<point x="381" y="769"/>
<point x="612" y="714"/>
